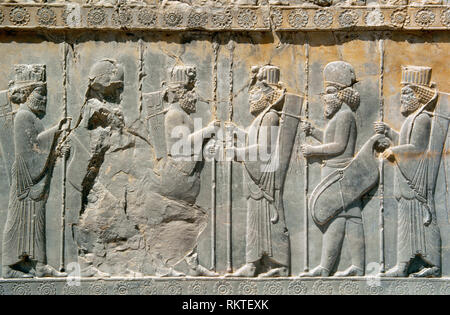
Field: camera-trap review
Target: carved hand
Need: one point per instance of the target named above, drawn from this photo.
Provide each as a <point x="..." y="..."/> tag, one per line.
<point x="212" y="149"/>
<point x="381" y="127"/>
<point x="306" y="150"/>
<point x="64" y="123"/>
<point x="388" y="155"/>
<point x="229" y="127"/>
<point x="65" y="148"/>
<point x="307" y="127"/>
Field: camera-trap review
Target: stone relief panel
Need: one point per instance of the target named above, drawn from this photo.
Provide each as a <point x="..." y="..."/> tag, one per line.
<point x="256" y="154"/>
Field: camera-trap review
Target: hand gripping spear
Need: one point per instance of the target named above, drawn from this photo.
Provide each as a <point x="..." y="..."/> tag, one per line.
<point x="64" y="156"/>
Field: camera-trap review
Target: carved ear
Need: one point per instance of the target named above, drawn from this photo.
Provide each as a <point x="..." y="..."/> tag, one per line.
<point x="255" y="69"/>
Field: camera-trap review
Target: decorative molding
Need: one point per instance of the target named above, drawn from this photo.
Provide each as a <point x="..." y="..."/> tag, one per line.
<point x="221" y="286"/>
<point x="248" y="18"/>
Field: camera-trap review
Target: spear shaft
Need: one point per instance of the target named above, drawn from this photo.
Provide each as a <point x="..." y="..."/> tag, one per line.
<point x="229" y="144"/>
<point x="213" y="161"/>
<point x="381" y="162"/>
<point x="64" y="165"/>
<point x="306" y="170"/>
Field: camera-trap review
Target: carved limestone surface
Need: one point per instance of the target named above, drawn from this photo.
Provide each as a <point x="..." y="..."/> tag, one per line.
<point x="239" y="16"/>
<point x="224" y="147"/>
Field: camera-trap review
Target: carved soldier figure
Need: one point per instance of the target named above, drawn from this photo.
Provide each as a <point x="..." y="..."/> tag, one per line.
<point x="99" y="129"/>
<point x="266" y="156"/>
<point x="416" y="155"/>
<point x="24" y="246"/>
<point x="337" y="151"/>
<point x="179" y="148"/>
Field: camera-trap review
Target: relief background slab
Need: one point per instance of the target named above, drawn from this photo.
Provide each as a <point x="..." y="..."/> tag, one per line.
<point x="161" y="49"/>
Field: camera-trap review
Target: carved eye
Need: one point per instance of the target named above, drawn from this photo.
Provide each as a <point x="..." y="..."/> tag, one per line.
<point x="41" y="91"/>
<point x="407" y="91"/>
<point x="331" y="90"/>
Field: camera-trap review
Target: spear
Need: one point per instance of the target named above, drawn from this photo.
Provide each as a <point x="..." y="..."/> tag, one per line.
<point x="213" y="162"/>
<point x="64" y="163"/>
<point x="229" y="144"/>
<point x="381" y="162"/>
<point x="305" y="214"/>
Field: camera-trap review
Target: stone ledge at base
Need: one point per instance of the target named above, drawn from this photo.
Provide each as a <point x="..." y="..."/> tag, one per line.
<point x="226" y="286"/>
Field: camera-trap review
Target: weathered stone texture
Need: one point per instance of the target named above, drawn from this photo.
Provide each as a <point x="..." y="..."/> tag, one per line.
<point x="135" y="80"/>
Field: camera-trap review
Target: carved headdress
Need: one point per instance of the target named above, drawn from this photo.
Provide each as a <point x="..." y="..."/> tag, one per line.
<point x="269" y="74"/>
<point x="105" y="73"/>
<point x="26" y="78"/>
<point x="183" y="76"/>
<point x="29" y="74"/>
<point x="266" y="89"/>
<point x="419" y="80"/>
<point x="342" y="76"/>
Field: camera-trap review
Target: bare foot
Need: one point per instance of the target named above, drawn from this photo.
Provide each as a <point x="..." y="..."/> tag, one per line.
<point x="8" y="272"/>
<point x="48" y="271"/>
<point x="91" y="271"/>
<point x="427" y="273"/>
<point x="201" y="271"/>
<point x="397" y="271"/>
<point x="248" y="270"/>
<point x="276" y="272"/>
<point x="171" y="273"/>
<point x="351" y="271"/>
<point x="319" y="271"/>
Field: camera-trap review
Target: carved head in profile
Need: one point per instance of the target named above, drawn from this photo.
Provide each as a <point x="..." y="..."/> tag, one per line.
<point x="339" y="77"/>
<point x="29" y="87"/>
<point x="265" y="88"/>
<point x="106" y="81"/>
<point x="417" y="89"/>
<point x="181" y="88"/>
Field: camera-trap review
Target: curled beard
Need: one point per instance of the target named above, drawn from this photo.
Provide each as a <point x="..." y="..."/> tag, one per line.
<point x="257" y="106"/>
<point x="188" y="102"/>
<point x="333" y="105"/>
<point x="36" y="105"/>
<point x="257" y="101"/>
<point x="350" y="97"/>
<point x="260" y="99"/>
<point x="409" y="106"/>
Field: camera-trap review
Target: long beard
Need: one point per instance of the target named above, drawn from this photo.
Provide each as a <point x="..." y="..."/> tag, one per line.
<point x="333" y="105"/>
<point x="256" y="107"/>
<point x="37" y="106"/>
<point x="409" y="106"/>
<point x="188" y="102"/>
<point x="260" y="100"/>
<point x="350" y="97"/>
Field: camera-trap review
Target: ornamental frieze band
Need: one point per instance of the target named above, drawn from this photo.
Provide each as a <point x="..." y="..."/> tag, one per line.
<point x="225" y="18"/>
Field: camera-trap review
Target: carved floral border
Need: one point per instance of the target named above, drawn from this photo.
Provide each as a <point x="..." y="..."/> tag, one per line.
<point x="221" y="286"/>
<point x="247" y="18"/>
